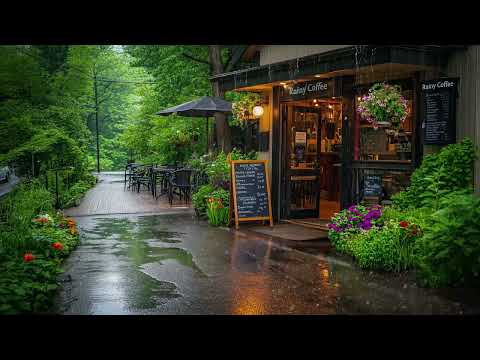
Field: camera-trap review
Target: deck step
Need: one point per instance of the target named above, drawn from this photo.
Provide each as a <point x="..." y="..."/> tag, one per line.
<point x="310" y="223"/>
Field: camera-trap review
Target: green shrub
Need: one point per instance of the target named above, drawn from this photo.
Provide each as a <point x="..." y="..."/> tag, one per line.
<point x="199" y="198"/>
<point x="17" y="211"/>
<point x="77" y="191"/>
<point x="218" y="171"/>
<point x="29" y="286"/>
<point x="390" y="248"/>
<point x="449" y="170"/>
<point x="449" y="252"/>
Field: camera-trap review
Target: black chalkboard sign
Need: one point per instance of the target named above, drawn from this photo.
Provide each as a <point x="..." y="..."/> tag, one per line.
<point x="372" y="185"/>
<point x="250" y="190"/>
<point x="439" y="110"/>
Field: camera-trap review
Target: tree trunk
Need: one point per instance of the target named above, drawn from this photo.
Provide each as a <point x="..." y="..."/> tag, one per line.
<point x="224" y="139"/>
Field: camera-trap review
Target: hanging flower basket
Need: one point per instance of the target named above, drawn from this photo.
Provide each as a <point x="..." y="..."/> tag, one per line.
<point x="384" y="106"/>
<point x="242" y="108"/>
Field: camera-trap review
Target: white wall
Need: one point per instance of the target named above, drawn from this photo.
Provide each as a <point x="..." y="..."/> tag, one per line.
<point x="270" y="54"/>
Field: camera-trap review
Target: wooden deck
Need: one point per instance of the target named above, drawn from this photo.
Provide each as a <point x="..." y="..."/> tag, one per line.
<point x="110" y="197"/>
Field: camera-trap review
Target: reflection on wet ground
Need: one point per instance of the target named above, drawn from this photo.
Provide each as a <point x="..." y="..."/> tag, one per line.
<point x="175" y="264"/>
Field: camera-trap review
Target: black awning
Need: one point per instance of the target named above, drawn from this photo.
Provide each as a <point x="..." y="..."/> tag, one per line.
<point x="347" y="58"/>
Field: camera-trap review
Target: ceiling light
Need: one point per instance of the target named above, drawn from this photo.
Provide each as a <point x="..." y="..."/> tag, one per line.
<point x="318" y="75"/>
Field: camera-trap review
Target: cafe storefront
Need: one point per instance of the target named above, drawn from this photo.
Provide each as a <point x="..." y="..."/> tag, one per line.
<point x="323" y="156"/>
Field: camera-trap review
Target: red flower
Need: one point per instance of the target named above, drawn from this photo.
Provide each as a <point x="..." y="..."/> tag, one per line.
<point x="28" y="257"/>
<point x="403" y="224"/>
<point x="57" y="246"/>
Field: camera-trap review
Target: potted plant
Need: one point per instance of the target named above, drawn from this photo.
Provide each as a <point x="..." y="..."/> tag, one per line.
<point x="384" y="106"/>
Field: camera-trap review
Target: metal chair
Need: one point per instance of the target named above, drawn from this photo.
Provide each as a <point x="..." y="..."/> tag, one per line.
<point x="141" y="176"/>
<point x="181" y="180"/>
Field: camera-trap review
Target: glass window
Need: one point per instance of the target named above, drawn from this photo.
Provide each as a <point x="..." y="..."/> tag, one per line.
<point x="384" y="143"/>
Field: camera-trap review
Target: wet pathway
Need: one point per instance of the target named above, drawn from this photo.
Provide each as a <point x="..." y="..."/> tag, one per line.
<point x="110" y="197"/>
<point x="171" y="263"/>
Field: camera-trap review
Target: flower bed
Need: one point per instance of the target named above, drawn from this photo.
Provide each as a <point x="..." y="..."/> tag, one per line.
<point x="32" y="248"/>
<point x="432" y="227"/>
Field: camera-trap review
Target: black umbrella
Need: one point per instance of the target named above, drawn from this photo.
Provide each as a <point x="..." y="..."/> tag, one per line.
<point x="206" y="107"/>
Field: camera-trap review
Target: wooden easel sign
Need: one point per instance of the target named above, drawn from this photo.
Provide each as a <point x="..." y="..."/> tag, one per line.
<point x="250" y="198"/>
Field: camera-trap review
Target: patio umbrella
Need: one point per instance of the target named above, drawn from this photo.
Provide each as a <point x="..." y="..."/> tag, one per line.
<point x="205" y="107"/>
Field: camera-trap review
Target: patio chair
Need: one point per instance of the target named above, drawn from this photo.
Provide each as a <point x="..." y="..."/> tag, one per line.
<point x="181" y="180"/>
<point x="141" y="177"/>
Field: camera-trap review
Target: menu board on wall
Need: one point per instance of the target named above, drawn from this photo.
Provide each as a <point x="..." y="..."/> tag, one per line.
<point x="372" y="185"/>
<point x="439" y="100"/>
<point x="250" y="191"/>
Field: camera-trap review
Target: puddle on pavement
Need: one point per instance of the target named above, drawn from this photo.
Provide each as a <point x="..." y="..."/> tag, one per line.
<point x="110" y="258"/>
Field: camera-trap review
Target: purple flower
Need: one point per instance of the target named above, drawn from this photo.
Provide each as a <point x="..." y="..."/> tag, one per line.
<point x="366" y="225"/>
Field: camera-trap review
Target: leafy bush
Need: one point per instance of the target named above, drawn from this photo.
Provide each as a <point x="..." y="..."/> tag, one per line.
<point x="28" y="275"/>
<point x="77" y="191"/>
<point x="389" y="248"/>
<point x="449" y="170"/>
<point x="218" y="171"/>
<point x="17" y="211"/>
<point x="450" y="251"/>
<point x="199" y="199"/>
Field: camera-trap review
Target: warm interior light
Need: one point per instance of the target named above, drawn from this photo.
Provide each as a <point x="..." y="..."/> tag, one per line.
<point x="318" y="75"/>
<point x="359" y="98"/>
<point x="258" y="111"/>
<point x="316" y="104"/>
<point x="330" y="106"/>
<point x="314" y="100"/>
<point x="283" y="83"/>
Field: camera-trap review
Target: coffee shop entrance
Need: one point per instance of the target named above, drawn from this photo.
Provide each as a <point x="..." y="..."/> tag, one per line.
<point x="311" y="128"/>
<point x="311" y="157"/>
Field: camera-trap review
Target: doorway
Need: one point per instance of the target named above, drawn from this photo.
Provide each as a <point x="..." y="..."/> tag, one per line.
<point x="311" y="158"/>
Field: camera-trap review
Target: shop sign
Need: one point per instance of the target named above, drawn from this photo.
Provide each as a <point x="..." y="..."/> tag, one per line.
<point x="310" y="89"/>
<point x="300" y="137"/>
<point x="439" y="109"/>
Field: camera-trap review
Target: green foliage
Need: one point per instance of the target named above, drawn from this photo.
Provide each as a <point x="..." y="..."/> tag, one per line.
<point x="167" y="140"/>
<point x="389" y="248"/>
<point x="242" y="106"/>
<point x="199" y="198"/>
<point x="27" y="287"/>
<point x="386" y="245"/>
<point x="73" y="195"/>
<point x="449" y="252"/>
<point x="449" y="170"/>
<point x="17" y="211"/>
<point x="218" y="207"/>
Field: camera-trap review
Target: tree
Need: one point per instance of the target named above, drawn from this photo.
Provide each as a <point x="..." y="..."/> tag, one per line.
<point x="224" y="139"/>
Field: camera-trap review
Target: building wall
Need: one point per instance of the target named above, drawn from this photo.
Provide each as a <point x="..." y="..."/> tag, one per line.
<point x="270" y="54"/>
<point x="265" y="124"/>
<point x="465" y="64"/>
